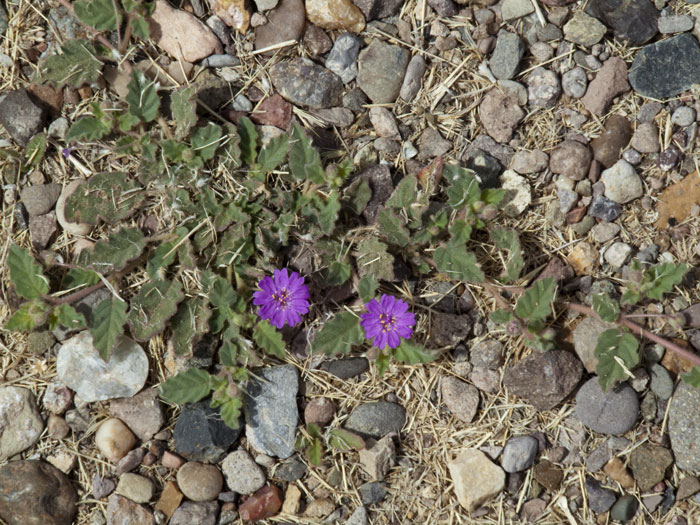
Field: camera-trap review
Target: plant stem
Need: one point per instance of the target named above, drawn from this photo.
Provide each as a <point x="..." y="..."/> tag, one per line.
<point x="75" y="296"/>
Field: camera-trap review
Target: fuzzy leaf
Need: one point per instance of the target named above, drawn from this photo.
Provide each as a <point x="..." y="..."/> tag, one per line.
<point x="111" y="197"/>
<point x="692" y="377"/>
<point x="337" y="273"/>
<point x="230" y="409"/>
<point x="630" y="297"/>
<point x="273" y="154"/>
<point x="100" y="14"/>
<point x="28" y="316"/>
<point x="304" y="159"/>
<point x="186" y="387"/>
<point x="367" y="287"/>
<point x="507" y="239"/>
<point x="184" y="110"/>
<point x="502" y="316"/>
<point x="338" y="335"/>
<point x="617" y="357"/>
<point x="314" y="452"/>
<point x="75" y="66"/>
<point x="344" y="440"/>
<point x="113" y="254"/>
<point x="458" y="263"/>
<point x="358" y="195"/>
<point x="249" y="140"/>
<point x="161" y="259"/>
<point x="536" y="303"/>
<point x="189" y="324"/>
<point x="374" y="259"/>
<point x="152" y="307"/>
<point x="392" y="227"/>
<point x="35" y="150"/>
<point x="661" y="278"/>
<point x="413" y="354"/>
<point x="328" y="213"/>
<point x="405" y="193"/>
<point x="606" y="307"/>
<point x="67" y="316"/>
<point x="26" y="274"/>
<point x="142" y="98"/>
<point x="77" y="277"/>
<point x="460" y="232"/>
<point x="224" y="300"/>
<point x="88" y="129"/>
<point x="269" y="339"/>
<point x="206" y="140"/>
<point x="464" y="187"/>
<point x="382" y="363"/>
<point x="107" y="328"/>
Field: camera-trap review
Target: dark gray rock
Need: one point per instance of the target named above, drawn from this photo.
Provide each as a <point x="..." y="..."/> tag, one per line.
<point x="444" y="7"/>
<point x="684" y="426"/>
<point x="372" y="492"/>
<point x="376" y="419"/>
<point x="305" y="83"/>
<point x="625" y="508"/>
<point x="342" y="59"/>
<point x="271" y="411"/>
<point x="21" y="116"/>
<point x="661" y="381"/>
<point x="665" y="69"/>
<point x="613" y="412"/>
<point x="201" y="513"/>
<point x="603" y="208"/>
<point x="201" y="435"/>
<point x="631" y="20"/>
<point x="42" y="228"/>
<point x="291" y="469"/>
<point x="505" y="60"/>
<point x="346" y="368"/>
<point x="412" y="80"/>
<point x="486" y="167"/>
<point x="381" y="71"/>
<point x="375" y="9"/>
<point x="40" y="199"/>
<point x="519" y="453"/>
<point x="449" y="329"/>
<point x="600" y="499"/>
<point x="544" y="379"/>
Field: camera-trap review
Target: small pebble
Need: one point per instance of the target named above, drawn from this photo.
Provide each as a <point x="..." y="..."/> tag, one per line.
<point x="114" y="439"/>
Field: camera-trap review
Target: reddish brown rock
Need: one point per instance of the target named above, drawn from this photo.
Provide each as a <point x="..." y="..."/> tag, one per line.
<point x="273" y="111"/>
<point x="571" y="158"/>
<point x="265" y="503"/>
<point x="610" y="82"/>
<point x="500" y="115"/>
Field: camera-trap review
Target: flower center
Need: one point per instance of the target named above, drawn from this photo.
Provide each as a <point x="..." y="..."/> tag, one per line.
<point x="282" y="297"/>
<point x="387" y="321"/>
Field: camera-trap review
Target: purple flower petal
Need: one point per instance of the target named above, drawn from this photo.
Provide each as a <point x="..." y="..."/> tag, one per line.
<point x="387" y="321"/>
<point x="282" y="298"/>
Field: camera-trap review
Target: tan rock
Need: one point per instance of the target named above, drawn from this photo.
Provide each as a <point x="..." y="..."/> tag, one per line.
<point x="233" y="12"/>
<point x="182" y="35"/>
<point x="335" y="14"/>
<point x="292" y="496"/>
<point x="584" y="258"/>
<point x="114" y="439"/>
<point x="476" y="479"/>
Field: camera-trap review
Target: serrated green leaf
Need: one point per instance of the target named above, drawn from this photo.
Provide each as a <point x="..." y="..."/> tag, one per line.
<point x="606" y="307"/>
<point x="617" y="357"/>
<point x="630" y="297"/>
<point x="373" y="258"/>
<point x="269" y="339"/>
<point x="328" y="213"/>
<point x="78" y="277"/>
<point x="206" y="140"/>
<point x="536" y="303"/>
<point x="661" y="278"/>
<point x="367" y="287"/>
<point x="460" y="232"/>
<point x="190" y="323"/>
<point x="493" y="195"/>
<point x="127" y="121"/>
<point x="140" y="28"/>
<point x="314" y="430"/>
<point x="249" y="141"/>
<point x="344" y="440"/>
<point x="405" y="193"/>
<point x="230" y="408"/>
<point x="151" y="308"/>
<point x="189" y="386"/>
<point x="107" y="328"/>
<point x="100" y="14"/>
<point x="304" y="159"/>
<point x="114" y="253"/>
<point x="88" y="129"/>
<point x="26" y="274"/>
<point x="464" y="186"/>
<point x="76" y="65"/>
<point x="412" y="354"/>
<point x="458" y="263"/>
<point x="35" y="150"/>
<point x="273" y="154"/>
<point x="163" y="257"/>
<point x="502" y="316"/>
<point x="338" y="335"/>
<point x="337" y="273"/>
<point x="392" y="227"/>
<point x="224" y="300"/>
<point x="507" y="239"/>
<point x="68" y="317"/>
<point x="110" y="196"/>
<point x="184" y="109"/>
<point x="28" y="316"/>
<point x="358" y="195"/>
<point x="142" y="98"/>
<point x="692" y="377"/>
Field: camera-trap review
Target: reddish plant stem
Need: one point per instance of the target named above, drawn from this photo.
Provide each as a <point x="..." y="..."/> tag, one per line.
<point x="75" y="296"/>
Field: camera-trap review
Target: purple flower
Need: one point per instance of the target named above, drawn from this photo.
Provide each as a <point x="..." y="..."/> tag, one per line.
<point x="66" y="152"/>
<point x="387" y="321"/>
<point x="282" y="298"/>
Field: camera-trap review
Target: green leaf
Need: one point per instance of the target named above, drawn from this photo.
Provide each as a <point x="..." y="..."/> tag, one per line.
<point x="151" y="308"/>
<point x="367" y="287"/>
<point x="314" y="452"/>
<point x="100" y="14"/>
<point x="464" y="187"/>
<point x="142" y="98"/>
<point x="358" y="195"/>
<point x="328" y="213"/>
<point x="492" y="195"/>
<point x="373" y="258"/>
<point x="26" y="274"/>
<point x="88" y="129"/>
<point x="382" y="363"/>
<point x="68" y="317"/>
<point x="107" y="328"/>
<point x="412" y="354"/>
<point x="273" y="154"/>
<point x="692" y="377"/>
<point x="344" y="440"/>
<point x="304" y="159"/>
<point x="230" y="408"/>
<point x="140" y="28"/>
<point x="606" y="307"/>
<point x="206" y="140"/>
<point x="110" y="196"/>
<point x="630" y="297"/>
<point x="536" y="303"/>
<point x="77" y="277"/>
<point x="502" y="316"/>
<point x="161" y="259"/>
<point x="337" y="273"/>
<point x="113" y="254"/>
<point x="184" y="109"/>
<point x="28" y="316"/>
<point x="661" y="278"/>
<point x="507" y="239"/>
<point x="392" y="227"/>
<point x="269" y="339"/>
<point x="617" y="357"/>
<point x="35" y="150"/>
<point x="338" y="335"/>
<point x="405" y="193"/>
<point x="225" y="302"/>
<point x="76" y="65"/>
<point x="190" y="323"/>
<point x="458" y="263"/>
<point x="460" y="232"/>
<point x="249" y="140"/>
<point x="186" y="387"/>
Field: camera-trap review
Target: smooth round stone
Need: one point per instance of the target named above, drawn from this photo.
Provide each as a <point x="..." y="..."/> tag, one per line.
<point x="135" y="487"/>
<point x="243" y="475"/>
<point x="519" y="453"/>
<point x="200" y="482"/>
<point x="114" y="439"/>
<point x="683" y="116"/>
<point x="613" y="412"/>
<point x="624" y="509"/>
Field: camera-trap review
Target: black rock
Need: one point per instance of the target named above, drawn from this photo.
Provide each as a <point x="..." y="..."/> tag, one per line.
<point x="631" y="20"/>
<point x="201" y="435"/>
<point x="346" y="368"/>
<point x="603" y="208"/>
<point x="665" y="69"/>
<point x="372" y="492"/>
<point x="486" y="167"/>
<point x="625" y="508"/>
<point x="21" y="116"/>
<point x="291" y="469"/>
<point x="600" y="499"/>
<point x="377" y="9"/>
<point x="376" y="419"/>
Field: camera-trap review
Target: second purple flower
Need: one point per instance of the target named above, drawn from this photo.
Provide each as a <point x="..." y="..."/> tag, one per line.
<point x="282" y="298"/>
<point x="387" y="321"/>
